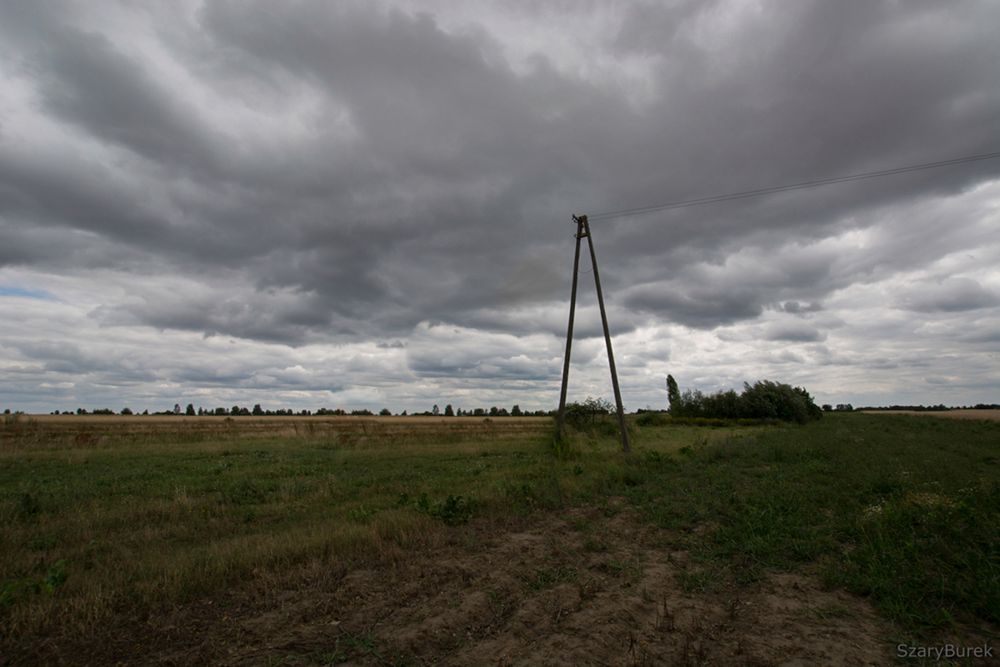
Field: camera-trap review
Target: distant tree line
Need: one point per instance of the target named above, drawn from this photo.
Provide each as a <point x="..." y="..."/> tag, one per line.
<point x="258" y="411"/>
<point x="763" y="399"/>
<point x="937" y="408"/>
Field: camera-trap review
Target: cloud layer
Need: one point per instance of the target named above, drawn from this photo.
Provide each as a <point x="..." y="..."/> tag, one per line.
<point x="367" y="204"/>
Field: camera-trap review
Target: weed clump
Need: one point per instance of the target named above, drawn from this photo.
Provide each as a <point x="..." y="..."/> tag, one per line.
<point x="452" y="511"/>
<point x="19" y="590"/>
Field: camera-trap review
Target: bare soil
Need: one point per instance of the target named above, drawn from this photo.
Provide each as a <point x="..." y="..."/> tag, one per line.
<point x="584" y="587"/>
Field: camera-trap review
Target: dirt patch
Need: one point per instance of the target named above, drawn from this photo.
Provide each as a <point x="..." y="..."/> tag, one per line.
<point x="593" y="586"/>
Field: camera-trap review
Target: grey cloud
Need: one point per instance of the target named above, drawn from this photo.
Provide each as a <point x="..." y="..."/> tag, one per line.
<point x="333" y="173"/>
<point x="786" y="357"/>
<point x="108" y="94"/>
<point x="697" y="307"/>
<point x="989" y="333"/>
<point x="883" y="364"/>
<point x="949" y="295"/>
<point x="500" y="368"/>
<point x="553" y="319"/>
<point x="443" y="350"/>
<point x="269" y="316"/>
<point x="797" y="308"/>
<point x="58" y="362"/>
<point x="794" y="332"/>
<point x="208" y="377"/>
<point x="62" y="358"/>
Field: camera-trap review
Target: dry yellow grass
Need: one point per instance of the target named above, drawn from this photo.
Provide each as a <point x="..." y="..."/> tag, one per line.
<point x="102" y="514"/>
<point x="101" y="430"/>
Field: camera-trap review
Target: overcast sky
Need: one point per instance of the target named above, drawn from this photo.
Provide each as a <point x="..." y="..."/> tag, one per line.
<point x="368" y="204"/>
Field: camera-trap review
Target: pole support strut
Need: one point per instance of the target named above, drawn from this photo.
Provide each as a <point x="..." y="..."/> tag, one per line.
<point x="583" y="231"/>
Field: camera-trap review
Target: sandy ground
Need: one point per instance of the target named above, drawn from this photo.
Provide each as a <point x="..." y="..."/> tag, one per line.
<point x="585" y="587"/>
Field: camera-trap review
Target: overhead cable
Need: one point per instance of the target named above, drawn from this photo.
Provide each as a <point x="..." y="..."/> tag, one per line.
<point x="791" y="186"/>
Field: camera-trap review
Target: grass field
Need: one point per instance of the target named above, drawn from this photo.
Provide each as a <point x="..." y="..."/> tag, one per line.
<point x="110" y="523"/>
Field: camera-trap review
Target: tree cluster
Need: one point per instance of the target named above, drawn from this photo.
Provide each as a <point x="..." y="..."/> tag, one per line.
<point x="762" y="400"/>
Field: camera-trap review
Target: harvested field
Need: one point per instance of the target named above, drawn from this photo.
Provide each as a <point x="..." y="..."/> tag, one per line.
<point x="447" y="541"/>
<point x="585" y="586"/>
<point x="99" y="430"/>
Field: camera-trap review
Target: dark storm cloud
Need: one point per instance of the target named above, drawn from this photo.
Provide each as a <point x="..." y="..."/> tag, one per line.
<point x="445" y="145"/>
<point x="801" y="92"/>
<point x="459" y="143"/>
<point x="312" y="172"/>
<point x="420" y="209"/>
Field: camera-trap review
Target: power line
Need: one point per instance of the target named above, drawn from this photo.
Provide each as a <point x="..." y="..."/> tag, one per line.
<point x="791" y="186"/>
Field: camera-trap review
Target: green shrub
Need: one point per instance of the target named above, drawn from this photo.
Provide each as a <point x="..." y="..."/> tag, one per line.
<point x="762" y="400"/>
<point x="584" y="416"/>
<point x="653" y="419"/>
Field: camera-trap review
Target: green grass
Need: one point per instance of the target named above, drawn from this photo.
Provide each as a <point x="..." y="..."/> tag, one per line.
<point x="903" y="510"/>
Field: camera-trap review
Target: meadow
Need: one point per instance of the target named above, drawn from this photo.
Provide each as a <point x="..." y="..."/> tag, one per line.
<point x="117" y="528"/>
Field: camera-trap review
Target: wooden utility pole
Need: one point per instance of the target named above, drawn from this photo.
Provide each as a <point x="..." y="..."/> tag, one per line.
<point x="561" y="416"/>
<point x="583" y="231"/>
